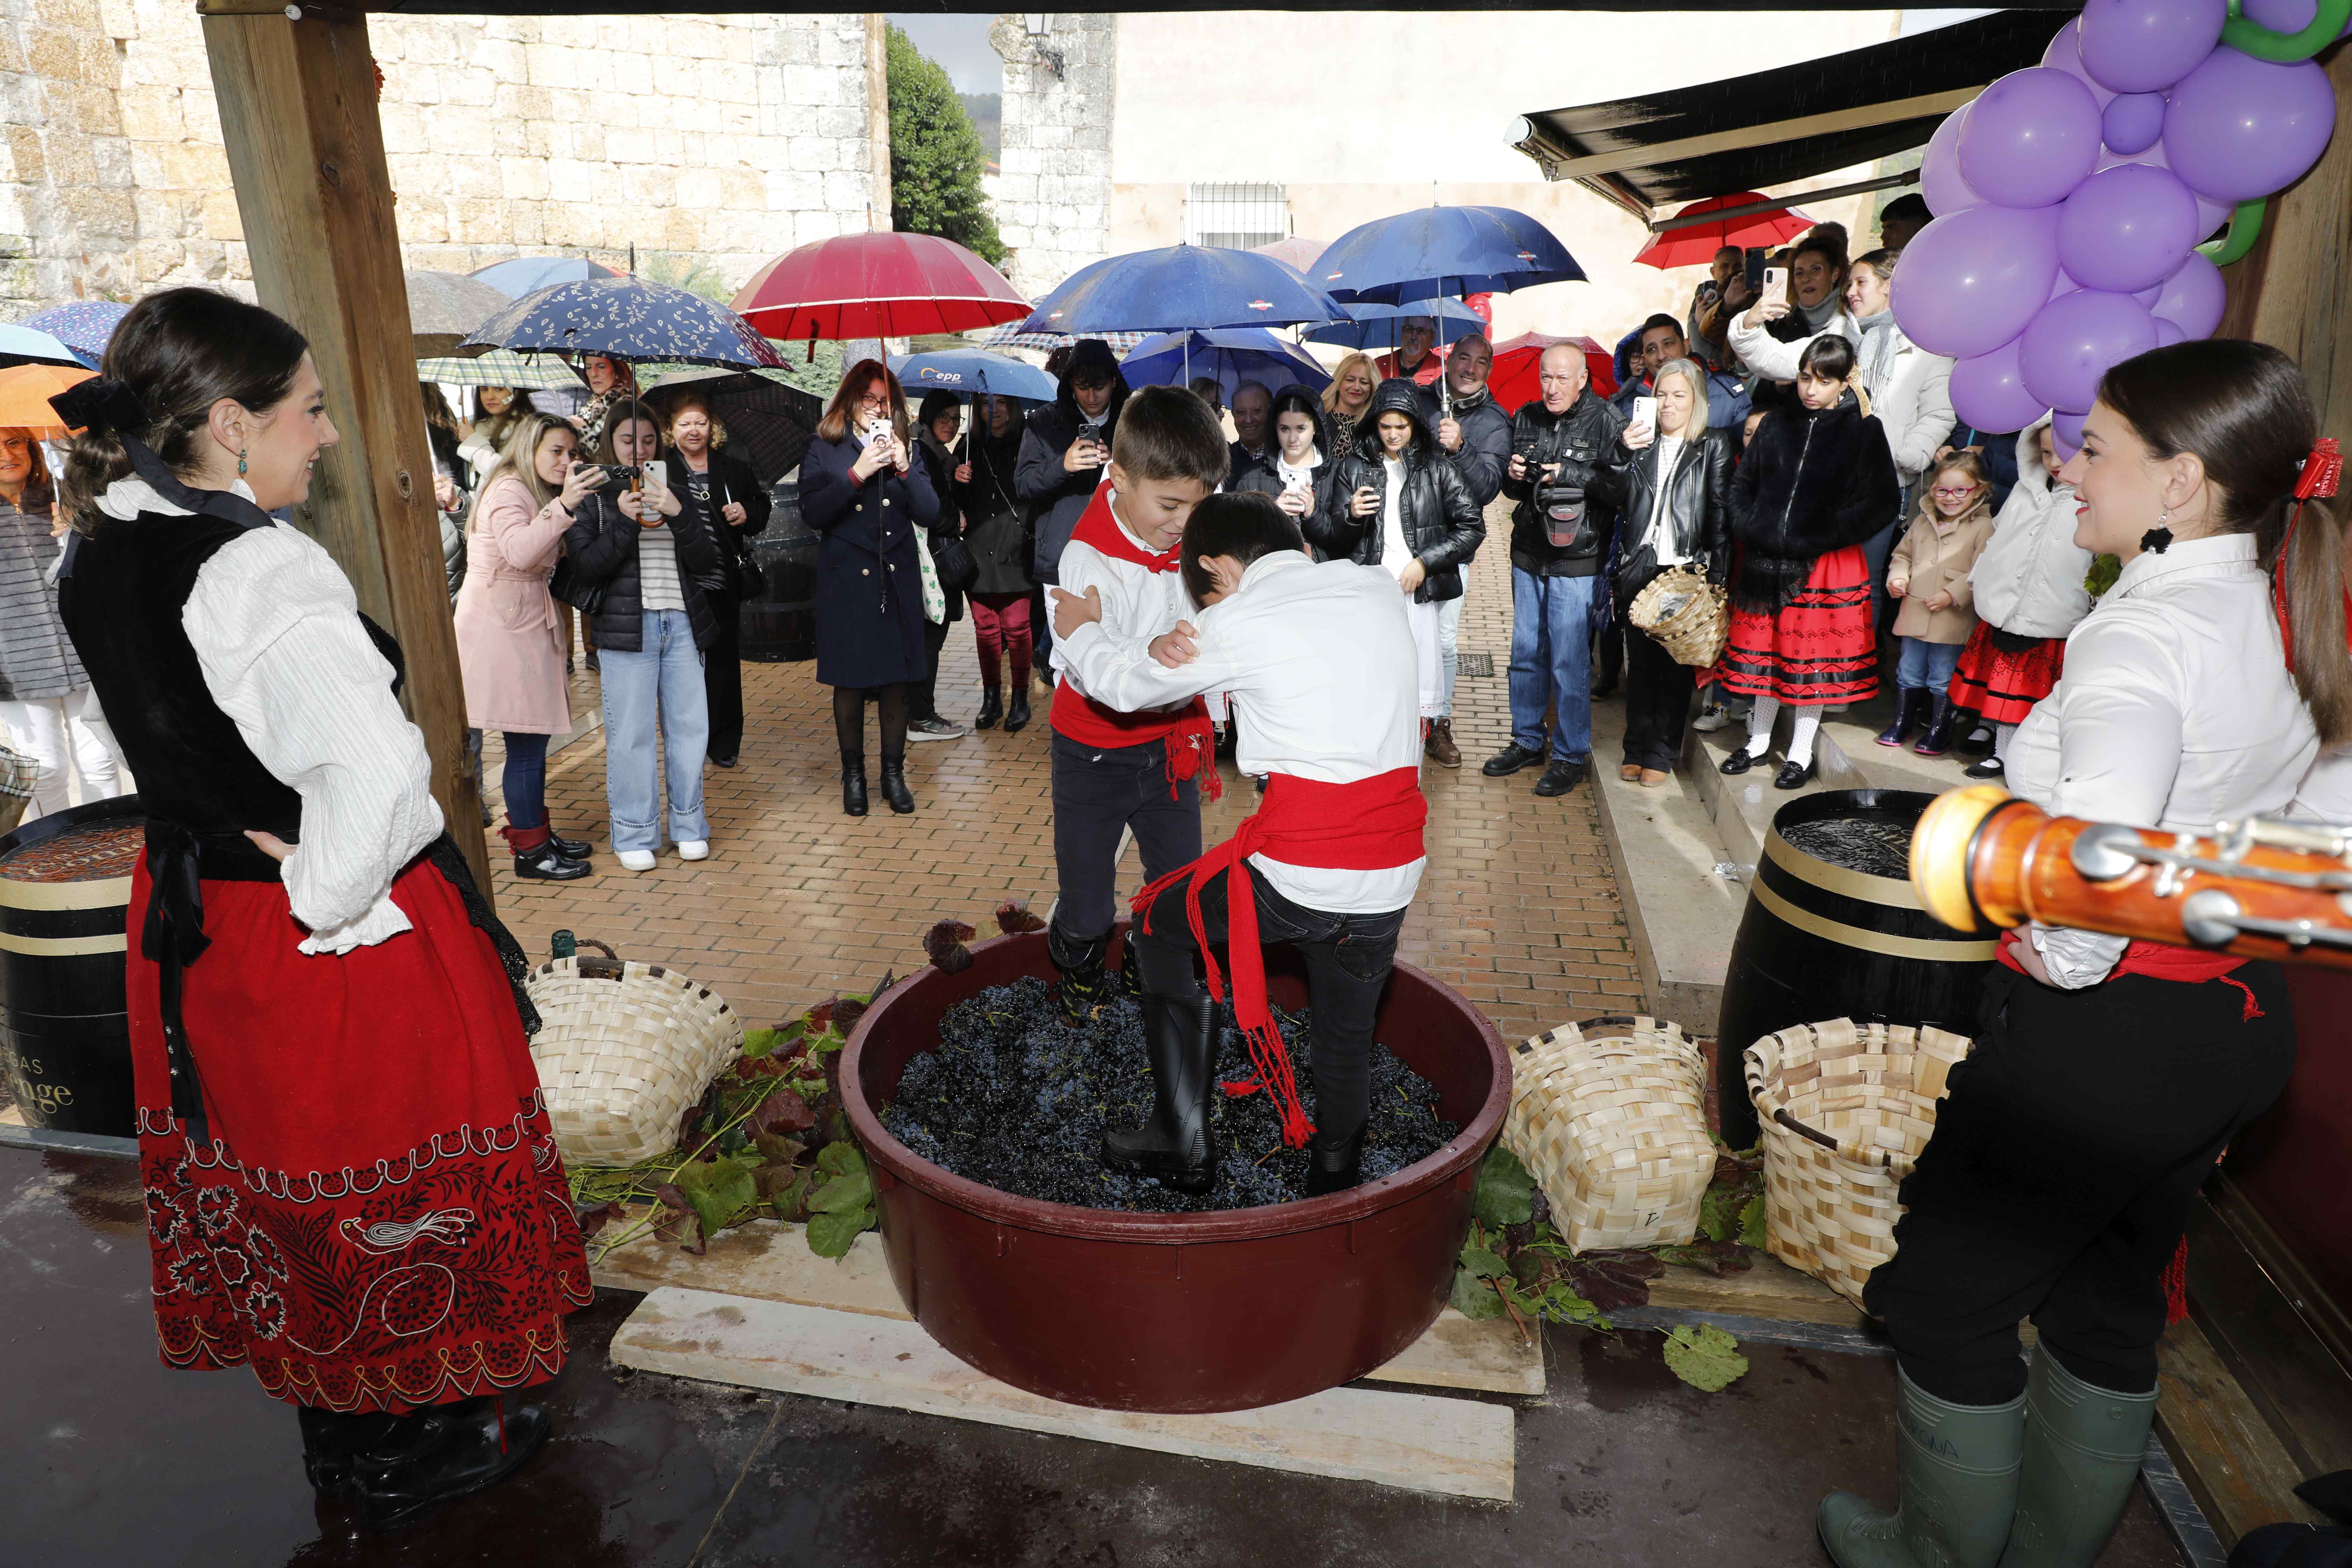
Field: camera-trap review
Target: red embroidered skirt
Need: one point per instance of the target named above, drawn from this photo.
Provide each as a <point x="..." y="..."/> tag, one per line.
<point x="380" y="1220"/>
<point x="1820" y="648"/>
<point x="2003" y="686"/>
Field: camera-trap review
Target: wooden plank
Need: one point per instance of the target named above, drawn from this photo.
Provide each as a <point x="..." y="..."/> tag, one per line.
<point x="1861" y="117"/>
<point x="298" y="110"/>
<point x="769" y="1260"/>
<point x="1457" y="1447"/>
<point x="1770" y="1289"/>
<point x="2233" y="1462"/>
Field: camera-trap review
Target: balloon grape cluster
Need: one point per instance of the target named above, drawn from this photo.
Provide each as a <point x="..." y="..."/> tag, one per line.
<point x="2069" y="199"/>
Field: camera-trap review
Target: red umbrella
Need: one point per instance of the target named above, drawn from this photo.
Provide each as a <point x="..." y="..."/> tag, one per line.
<point x="1512" y="380"/>
<point x="1695" y="245"/>
<point x="876" y="285"/>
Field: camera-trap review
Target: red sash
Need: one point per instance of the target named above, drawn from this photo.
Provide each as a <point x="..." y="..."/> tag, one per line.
<point x="1373" y="825"/>
<point x="1192" y="740"/>
<point x="2160" y="961"/>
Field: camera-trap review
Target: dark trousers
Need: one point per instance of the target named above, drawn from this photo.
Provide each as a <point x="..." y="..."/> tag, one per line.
<point x="722" y="674"/>
<point x="1041" y="630"/>
<point x="525" y="780"/>
<point x="2060" y="1173"/>
<point x="924" y="700"/>
<point x="1348" y="962"/>
<point x="1657" y="701"/>
<point x="1096" y="792"/>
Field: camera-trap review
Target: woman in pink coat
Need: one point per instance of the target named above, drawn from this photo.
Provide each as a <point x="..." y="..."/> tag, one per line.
<point x="510" y="636"/>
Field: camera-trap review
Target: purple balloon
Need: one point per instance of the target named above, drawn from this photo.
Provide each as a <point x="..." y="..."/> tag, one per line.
<point x="2146" y="46"/>
<point x="1939" y="168"/>
<point x="1989" y="390"/>
<point x="2193" y="298"/>
<point x="1969" y="282"/>
<point x="2031" y="138"/>
<point x="2286" y="16"/>
<point x="2075" y="338"/>
<point x="2168" y="332"/>
<point x="2132" y="121"/>
<point x="2068" y="427"/>
<point x="2065" y="54"/>
<point x="2239" y="127"/>
<point x="2212" y="216"/>
<point x="2127" y="228"/>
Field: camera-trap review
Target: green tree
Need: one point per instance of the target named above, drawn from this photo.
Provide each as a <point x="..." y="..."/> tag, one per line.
<point x="936" y="155"/>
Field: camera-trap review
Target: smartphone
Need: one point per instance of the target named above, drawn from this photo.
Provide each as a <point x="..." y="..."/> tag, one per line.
<point x="1776" y="282"/>
<point x="1755" y="268"/>
<point x="657" y="473"/>
<point x="1645" y="412"/>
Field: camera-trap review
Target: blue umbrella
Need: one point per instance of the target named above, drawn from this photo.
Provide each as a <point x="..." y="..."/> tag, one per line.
<point x="1231" y="354"/>
<point x="83" y="326"/>
<point x="629" y="318"/>
<point x="1448" y="251"/>
<point x="26" y="345"/>
<point x="1371" y="326"/>
<point x="1179" y="288"/>
<point x="529" y="273"/>
<point x="972" y="372"/>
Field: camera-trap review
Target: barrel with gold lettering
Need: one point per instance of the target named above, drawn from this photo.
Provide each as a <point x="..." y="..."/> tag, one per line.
<point x="1824" y="941"/>
<point x="65" y="890"/>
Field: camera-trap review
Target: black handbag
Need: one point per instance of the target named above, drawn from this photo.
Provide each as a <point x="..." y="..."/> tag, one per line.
<point x="952" y="559"/>
<point x="570" y="588"/>
<point x="738" y="574"/>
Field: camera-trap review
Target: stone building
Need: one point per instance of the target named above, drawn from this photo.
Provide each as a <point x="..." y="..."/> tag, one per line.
<point x="718" y="140"/>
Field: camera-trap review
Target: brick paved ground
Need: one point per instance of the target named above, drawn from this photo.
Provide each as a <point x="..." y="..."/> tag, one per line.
<point x="1519" y="909"/>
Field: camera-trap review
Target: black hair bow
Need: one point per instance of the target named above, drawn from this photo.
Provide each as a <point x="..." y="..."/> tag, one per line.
<point x="101" y="407"/>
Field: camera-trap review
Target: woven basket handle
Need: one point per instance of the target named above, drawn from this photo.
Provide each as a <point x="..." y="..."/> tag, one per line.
<point x="608" y="967"/>
<point x="1801" y="1131"/>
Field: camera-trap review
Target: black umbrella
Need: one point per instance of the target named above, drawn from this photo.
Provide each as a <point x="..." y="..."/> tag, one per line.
<point x="768" y="425"/>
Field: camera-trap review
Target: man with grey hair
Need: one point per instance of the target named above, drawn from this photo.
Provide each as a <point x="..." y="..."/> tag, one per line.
<point x="1415" y="359"/>
<point x="1252" y="403"/>
<point x="1568" y="473"/>
<point x="1477" y="435"/>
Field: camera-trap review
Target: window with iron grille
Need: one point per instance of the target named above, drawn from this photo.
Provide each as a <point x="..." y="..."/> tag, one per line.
<point x="1235" y="217"/>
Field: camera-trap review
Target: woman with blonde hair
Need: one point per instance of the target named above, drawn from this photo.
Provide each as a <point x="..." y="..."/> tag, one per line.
<point x="1347" y="401"/>
<point x="1677" y="513"/>
<point x="733" y="505"/>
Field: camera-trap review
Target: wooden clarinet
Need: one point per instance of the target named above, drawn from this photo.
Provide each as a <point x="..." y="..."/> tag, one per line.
<point x="2257" y="889"/>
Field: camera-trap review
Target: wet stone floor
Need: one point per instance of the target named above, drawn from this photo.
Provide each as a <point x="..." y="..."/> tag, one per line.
<point x="108" y="1458"/>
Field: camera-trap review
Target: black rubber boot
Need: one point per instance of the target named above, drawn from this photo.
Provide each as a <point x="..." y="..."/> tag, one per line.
<point x="1334" y="1165"/>
<point x="1174" y="1143"/>
<point x="1911" y="708"/>
<point x="1939" y="738"/>
<point x="1017" y="718"/>
<point x="1084" y="986"/>
<point x="852" y="782"/>
<point x="572" y="848"/>
<point x="449" y="1452"/>
<point x="333" y="1442"/>
<point x="1130" y="975"/>
<point x="894" y="785"/>
<point x="992" y="709"/>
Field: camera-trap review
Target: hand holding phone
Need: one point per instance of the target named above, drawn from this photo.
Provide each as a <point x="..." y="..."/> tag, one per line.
<point x="1367" y="501"/>
<point x="1776" y="283"/>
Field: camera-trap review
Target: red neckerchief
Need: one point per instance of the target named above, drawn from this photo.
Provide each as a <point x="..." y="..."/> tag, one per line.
<point x="1099" y="526"/>
<point x="2159" y="961"/>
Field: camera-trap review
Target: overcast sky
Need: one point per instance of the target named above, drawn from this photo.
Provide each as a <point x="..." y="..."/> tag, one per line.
<point x="958" y="42"/>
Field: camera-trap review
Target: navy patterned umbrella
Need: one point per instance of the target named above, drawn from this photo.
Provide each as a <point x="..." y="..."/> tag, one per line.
<point x="629" y="318"/>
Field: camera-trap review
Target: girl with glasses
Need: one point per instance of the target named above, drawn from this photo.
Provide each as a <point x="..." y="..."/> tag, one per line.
<point x="1929" y="574"/>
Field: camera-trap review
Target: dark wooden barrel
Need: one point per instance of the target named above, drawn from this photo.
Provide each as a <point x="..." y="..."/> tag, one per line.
<point x="65" y="888"/>
<point x="779" y="623"/>
<point x="1824" y="941"/>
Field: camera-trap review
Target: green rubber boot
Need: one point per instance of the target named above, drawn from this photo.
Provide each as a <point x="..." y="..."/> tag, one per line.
<point x="1956" y="1485"/>
<point x="2082" y="1449"/>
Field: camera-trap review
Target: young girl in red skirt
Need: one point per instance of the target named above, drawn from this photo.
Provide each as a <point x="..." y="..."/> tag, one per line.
<point x="2029" y="595"/>
<point x="351" y="1183"/>
<point x="1817" y="481"/>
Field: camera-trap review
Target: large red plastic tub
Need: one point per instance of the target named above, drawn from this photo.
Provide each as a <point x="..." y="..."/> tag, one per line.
<point x="1223" y="1310"/>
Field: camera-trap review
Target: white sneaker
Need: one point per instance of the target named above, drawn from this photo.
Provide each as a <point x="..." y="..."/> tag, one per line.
<point x="1715" y="716"/>
<point x="637" y="859"/>
<point x="694" y="849"/>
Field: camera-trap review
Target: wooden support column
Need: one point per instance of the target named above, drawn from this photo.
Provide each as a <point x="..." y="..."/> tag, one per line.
<point x="298" y="111"/>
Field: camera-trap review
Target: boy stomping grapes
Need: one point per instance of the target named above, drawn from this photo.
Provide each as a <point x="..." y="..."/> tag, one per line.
<point x="1318" y="662"/>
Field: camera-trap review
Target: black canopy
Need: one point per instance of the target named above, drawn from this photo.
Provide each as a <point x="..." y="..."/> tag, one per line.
<point x="1749" y="132"/>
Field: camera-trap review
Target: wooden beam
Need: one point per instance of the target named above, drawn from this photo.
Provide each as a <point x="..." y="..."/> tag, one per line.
<point x="1778" y="204"/>
<point x="1861" y="117"/>
<point x="298" y="110"/>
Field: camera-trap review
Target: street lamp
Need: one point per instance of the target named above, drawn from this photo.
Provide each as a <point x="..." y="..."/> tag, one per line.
<point x="1039" y="22"/>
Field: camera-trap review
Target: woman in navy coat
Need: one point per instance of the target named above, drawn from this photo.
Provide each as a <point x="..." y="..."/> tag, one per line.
<point x="865" y="495"/>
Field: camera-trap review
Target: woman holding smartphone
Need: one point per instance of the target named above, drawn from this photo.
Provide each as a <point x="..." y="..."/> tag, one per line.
<point x="1803" y="304"/>
<point x="734" y="506"/>
<point x="1301" y="469"/>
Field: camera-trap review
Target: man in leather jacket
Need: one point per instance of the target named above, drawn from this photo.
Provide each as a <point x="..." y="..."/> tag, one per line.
<point x="1568" y="474"/>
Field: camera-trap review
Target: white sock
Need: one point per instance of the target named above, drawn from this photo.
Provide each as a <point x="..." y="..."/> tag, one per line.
<point x="1760" y="725"/>
<point x="1800" y="736"/>
<point x="2000" y="739"/>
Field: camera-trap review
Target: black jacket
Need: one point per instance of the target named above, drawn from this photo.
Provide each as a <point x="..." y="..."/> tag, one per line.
<point x="1585" y="443"/>
<point x="732" y="480"/>
<point x="1698" y="510"/>
<point x="943" y="461"/>
<point x="1811" y="483"/>
<point x="993" y="524"/>
<point x="1263" y="477"/>
<point x="1485" y="454"/>
<point x="603" y="545"/>
<point x="1441" y="522"/>
<point x="1056" y="497"/>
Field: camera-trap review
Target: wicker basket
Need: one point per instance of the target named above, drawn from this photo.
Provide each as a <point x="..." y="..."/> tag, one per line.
<point x="622" y="1049"/>
<point x="1608" y="1116"/>
<point x="1693" y="629"/>
<point x="1846" y="1109"/>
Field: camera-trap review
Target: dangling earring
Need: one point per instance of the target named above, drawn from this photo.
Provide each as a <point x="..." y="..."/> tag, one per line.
<point x="240" y="462"/>
<point x="2159" y="537"/>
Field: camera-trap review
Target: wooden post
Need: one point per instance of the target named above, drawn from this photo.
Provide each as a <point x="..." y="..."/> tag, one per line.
<point x="298" y="113"/>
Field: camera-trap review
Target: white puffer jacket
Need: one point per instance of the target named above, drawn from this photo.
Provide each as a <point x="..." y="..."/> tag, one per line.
<point x="1912" y="399"/>
<point x="2028" y="580"/>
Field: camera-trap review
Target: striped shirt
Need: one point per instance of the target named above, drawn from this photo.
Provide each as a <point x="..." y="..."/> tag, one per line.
<point x="37" y="658"/>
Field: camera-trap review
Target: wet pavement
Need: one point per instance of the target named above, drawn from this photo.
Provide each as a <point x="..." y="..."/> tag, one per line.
<point x="108" y="1458"/>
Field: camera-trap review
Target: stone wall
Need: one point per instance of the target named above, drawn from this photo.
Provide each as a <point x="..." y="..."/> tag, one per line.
<point x="1053" y="197"/>
<point x="721" y="140"/>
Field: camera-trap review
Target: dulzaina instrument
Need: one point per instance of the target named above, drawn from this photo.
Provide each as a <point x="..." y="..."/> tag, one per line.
<point x="2258" y="889"/>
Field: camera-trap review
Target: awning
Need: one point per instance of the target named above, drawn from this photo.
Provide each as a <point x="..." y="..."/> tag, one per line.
<point x="1752" y="133"/>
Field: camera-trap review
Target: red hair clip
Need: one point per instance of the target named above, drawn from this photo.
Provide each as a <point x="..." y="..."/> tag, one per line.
<point x="2322" y="471"/>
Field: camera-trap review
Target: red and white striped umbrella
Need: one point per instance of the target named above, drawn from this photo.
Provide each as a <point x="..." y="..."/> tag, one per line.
<point x="876" y="285"/>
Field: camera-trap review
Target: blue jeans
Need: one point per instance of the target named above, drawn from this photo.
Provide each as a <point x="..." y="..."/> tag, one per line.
<point x="1925" y="664"/>
<point x="659" y="691"/>
<point x="1551" y="662"/>
<point x="525" y="779"/>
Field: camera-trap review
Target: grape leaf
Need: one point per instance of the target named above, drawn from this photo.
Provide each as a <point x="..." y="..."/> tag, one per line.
<point x="778" y="1149"/>
<point x="832" y="1235"/>
<point x="782" y="1112"/>
<point x="943" y="944"/>
<point x="1012" y="917"/>
<point x="1718" y="1213"/>
<point x="1751" y="1223"/>
<point x="1483" y="1262"/>
<point x="1611" y="1279"/>
<point x="854" y="1191"/>
<point x="1704" y="1357"/>
<point x="678" y="1220"/>
<point x="840" y="1159"/>
<point x="1473" y="1298"/>
<point x="1506" y="1191"/>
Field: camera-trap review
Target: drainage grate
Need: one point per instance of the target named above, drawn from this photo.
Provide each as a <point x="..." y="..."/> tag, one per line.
<point x="1476" y="664"/>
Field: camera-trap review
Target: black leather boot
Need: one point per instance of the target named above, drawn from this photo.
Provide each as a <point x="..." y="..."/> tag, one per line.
<point x="1911" y="708"/>
<point x="1334" y="1165"/>
<point x="333" y="1442"/>
<point x="1017" y="718"/>
<point x="572" y="849"/>
<point x="549" y="864"/>
<point x="992" y="709"/>
<point x="852" y="782"/>
<point x="894" y="785"/>
<point x="1939" y="738"/>
<point x="1175" y="1142"/>
<point x="444" y="1453"/>
<point x="1078" y="962"/>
